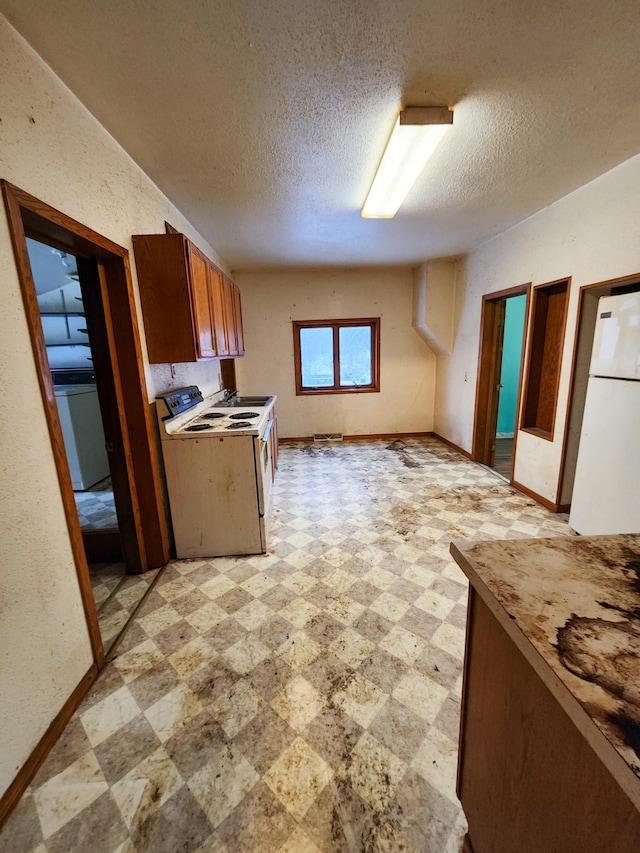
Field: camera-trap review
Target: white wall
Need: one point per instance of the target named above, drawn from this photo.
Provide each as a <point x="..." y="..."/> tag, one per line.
<point x="591" y="235"/>
<point x="53" y="148"/>
<point x="271" y="300"/>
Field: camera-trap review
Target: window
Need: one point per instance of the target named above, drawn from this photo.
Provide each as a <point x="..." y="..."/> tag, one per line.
<point x="337" y="356"/>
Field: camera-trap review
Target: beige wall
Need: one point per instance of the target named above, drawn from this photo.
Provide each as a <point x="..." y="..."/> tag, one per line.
<point x="591" y="235"/>
<point x="434" y="301"/>
<point x="53" y="148"/>
<point x="271" y="300"/>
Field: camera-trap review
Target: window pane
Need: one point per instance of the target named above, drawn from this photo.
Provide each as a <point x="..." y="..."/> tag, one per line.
<point x="355" y="355"/>
<point x="316" y="354"/>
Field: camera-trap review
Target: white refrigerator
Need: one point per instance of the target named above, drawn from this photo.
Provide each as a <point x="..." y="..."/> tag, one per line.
<point x="606" y="492"/>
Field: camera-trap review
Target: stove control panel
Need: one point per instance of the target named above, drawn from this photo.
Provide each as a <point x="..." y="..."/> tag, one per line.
<point x="180" y="400"/>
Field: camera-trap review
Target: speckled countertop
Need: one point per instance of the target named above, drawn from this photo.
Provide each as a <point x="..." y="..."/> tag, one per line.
<point x="572" y="605"/>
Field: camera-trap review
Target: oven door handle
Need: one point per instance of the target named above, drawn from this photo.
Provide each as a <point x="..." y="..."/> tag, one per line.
<point x="265" y="436"/>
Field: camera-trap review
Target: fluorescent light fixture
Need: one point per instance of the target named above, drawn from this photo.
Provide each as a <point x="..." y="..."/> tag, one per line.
<point x="415" y="136"/>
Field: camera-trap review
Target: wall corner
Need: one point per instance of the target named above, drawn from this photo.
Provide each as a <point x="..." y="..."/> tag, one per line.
<point x="434" y="294"/>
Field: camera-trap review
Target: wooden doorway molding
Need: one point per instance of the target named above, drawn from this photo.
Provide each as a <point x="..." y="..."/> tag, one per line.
<point x="581" y="356"/>
<point x="489" y="359"/>
<point x="104" y="270"/>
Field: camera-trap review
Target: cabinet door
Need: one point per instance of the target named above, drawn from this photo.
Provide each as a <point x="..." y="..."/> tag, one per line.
<point x="202" y="320"/>
<point x="229" y="313"/>
<point x="238" y="318"/>
<point x="217" y="306"/>
<point x="165" y="294"/>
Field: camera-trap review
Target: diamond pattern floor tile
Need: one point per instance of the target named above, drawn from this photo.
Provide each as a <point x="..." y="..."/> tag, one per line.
<point x="303" y="700"/>
<point x="116" y="596"/>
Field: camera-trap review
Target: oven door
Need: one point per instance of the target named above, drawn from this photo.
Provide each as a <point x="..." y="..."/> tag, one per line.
<point x="263" y="470"/>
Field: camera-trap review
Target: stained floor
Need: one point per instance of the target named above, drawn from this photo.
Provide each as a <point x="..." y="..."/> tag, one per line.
<point x="503" y="459"/>
<point x="300" y="701"/>
<point x="116" y="596"/>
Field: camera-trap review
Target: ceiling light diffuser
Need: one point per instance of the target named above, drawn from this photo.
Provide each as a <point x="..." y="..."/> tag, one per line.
<point x="415" y="136"/>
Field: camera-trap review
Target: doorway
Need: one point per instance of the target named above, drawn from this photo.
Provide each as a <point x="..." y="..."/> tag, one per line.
<point x="109" y="319"/>
<point x="70" y="356"/>
<point x="500" y="377"/>
<point x="71" y="346"/>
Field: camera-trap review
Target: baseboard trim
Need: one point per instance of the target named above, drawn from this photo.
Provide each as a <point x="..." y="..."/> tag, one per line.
<point x="453" y="446"/>
<point x="550" y="505"/>
<point x="368" y="437"/>
<point x="16" y="789"/>
<point x="388" y="436"/>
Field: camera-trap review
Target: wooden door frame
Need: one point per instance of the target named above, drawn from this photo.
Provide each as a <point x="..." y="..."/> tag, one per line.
<point x="493" y="402"/>
<point x="487" y="367"/>
<point x="29" y="217"/>
<point x="586" y="288"/>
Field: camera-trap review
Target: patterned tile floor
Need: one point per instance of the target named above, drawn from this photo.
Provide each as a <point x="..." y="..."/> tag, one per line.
<point x="116" y="596"/>
<point x="96" y="507"/>
<point x="300" y="701"/>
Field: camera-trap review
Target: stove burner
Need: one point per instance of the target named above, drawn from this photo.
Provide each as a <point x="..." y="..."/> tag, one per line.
<point x="212" y="415"/>
<point x="197" y="427"/>
<point x="239" y="425"/>
<point x="241" y="416"/>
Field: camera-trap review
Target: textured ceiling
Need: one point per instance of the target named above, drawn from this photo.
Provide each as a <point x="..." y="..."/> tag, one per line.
<point x="264" y="120"/>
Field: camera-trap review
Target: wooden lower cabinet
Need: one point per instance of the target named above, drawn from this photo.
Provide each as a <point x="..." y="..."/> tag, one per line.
<point x="527" y="778"/>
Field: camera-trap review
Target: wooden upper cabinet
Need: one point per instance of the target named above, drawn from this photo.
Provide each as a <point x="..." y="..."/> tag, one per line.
<point x="230" y="316"/>
<point x="217" y="306"/>
<point x="201" y="303"/>
<point x="185" y="301"/>
<point x="238" y="318"/>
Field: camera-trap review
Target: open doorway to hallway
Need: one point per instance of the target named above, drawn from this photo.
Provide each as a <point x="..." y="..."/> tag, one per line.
<point x="500" y="377"/>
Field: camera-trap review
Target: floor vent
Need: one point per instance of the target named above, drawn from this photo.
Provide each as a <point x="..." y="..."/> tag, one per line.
<point x="328" y="436"/>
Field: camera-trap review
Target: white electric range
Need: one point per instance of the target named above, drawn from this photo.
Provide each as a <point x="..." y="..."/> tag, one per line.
<point x="218" y="469"/>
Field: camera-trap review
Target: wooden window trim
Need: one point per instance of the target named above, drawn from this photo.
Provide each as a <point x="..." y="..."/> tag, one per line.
<point x="374" y="387"/>
<point x="528" y="410"/>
